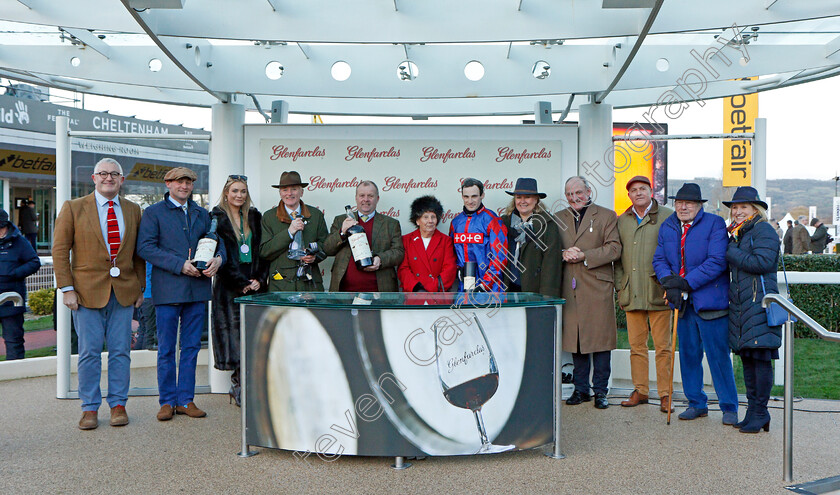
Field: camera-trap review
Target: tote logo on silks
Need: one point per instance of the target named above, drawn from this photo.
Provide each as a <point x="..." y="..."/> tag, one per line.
<point x="469" y="238"/>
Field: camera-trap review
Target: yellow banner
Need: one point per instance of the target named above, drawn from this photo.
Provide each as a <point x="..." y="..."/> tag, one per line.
<point x="739" y="114"/>
<point x="26" y="162"/>
<point x="147" y="172"/>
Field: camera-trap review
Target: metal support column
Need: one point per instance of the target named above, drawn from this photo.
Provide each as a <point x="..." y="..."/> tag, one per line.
<point x="62" y="312"/>
<point x="557" y="450"/>
<point x="227" y="151"/>
<point x="788" y="426"/>
<point x="759" y="158"/>
<point x="596" y="159"/>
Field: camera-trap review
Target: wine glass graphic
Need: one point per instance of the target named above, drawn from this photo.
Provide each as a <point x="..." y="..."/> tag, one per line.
<point x="468" y="373"/>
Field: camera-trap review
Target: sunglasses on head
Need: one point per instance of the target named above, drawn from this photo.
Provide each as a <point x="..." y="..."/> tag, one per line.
<point x="243" y="178"/>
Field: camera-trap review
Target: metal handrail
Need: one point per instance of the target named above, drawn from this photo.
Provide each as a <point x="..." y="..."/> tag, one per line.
<point x="824" y="334"/>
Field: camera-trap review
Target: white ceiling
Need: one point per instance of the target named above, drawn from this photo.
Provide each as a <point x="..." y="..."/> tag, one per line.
<point x="218" y="50"/>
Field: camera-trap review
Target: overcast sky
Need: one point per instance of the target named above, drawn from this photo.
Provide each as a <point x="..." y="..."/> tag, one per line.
<point x="800" y="126"/>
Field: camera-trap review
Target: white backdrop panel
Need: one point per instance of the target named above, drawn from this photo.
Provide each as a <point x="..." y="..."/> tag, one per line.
<point x="407" y="161"/>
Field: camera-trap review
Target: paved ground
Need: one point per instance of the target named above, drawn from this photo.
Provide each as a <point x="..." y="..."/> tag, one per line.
<point x="614" y="451"/>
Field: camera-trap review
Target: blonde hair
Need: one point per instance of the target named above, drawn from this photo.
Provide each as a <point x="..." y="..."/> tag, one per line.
<point x="511" y="207"/>
<point x="225" y="207"/>
<point x="759" y="210"/>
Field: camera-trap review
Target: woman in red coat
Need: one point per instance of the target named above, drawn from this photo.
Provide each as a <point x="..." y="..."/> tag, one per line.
<point x="429" y="262"/>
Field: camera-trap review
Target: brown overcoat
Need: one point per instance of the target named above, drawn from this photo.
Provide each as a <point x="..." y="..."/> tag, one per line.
<point x="77" y="231"/>
<point x="589" y="312"/>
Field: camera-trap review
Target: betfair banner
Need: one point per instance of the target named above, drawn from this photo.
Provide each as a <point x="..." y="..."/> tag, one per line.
<point x="739" y="114"/>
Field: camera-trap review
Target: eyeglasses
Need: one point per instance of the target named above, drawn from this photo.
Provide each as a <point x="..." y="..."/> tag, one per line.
<point x="104" y="175"/>
<point x="243" y="178"/>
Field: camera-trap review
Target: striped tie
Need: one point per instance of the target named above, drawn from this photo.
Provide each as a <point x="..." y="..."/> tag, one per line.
<point x="682" y="249"/>
<point x="113" y="231"/>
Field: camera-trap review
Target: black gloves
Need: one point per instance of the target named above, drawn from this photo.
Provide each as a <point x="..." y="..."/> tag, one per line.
<point x="674" y="297"/>
<point x="419" y="288"/>
<point x="675" y="282"/>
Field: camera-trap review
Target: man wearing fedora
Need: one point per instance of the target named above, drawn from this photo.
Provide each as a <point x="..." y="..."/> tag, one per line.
<point x="690" y="263"/>
<point x="640" y="295"/>
<point x="589" y="234"/>
<point x="101" y="278"/>
<point x="279" y="226"/>
<point x="168" y="237"/>
<point x="385" y="240"/>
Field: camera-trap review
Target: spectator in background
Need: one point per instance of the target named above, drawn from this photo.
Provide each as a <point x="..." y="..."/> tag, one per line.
<point x="820" y="238"/>
<point x="429" y="261"/>
<point x="28" y="220"/>
<point x="788" y="239"/>
<point x="534" y="249"/>
<point x="776" y="227"/>
<point x="801" y="237"/>
<point x="18" y="260"/>
<point x="147" y="333"/>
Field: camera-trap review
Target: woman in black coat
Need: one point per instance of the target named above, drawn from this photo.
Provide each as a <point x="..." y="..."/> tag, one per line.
<point x="753" y="256"/>
<point x="243" y="273"/>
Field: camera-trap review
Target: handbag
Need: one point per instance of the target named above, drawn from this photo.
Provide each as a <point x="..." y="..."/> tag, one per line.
<point x="776" y="315"/>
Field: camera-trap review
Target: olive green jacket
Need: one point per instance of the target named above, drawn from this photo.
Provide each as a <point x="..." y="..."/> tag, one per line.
<point x="275" y="248"/>
<point x="386" y="242"/>
<point x="636" y="283"/>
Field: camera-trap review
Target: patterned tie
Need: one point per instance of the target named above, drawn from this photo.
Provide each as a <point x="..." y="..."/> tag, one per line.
<point x="365" y="218"/>
<point x="682" y="249"/>
<point x="113" y="231"/>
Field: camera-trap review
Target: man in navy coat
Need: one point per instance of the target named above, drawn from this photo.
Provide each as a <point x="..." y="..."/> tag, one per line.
<point x="17" y="261"/>
<point x="690" y="263"/>
<point x="169" y="233"/>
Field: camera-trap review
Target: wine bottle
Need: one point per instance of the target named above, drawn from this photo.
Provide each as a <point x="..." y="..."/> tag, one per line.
<point x="358" y="241"/>
<point x="469" y="275"/>
<point x="296" y="250"/>
<point x="206" y="248"/>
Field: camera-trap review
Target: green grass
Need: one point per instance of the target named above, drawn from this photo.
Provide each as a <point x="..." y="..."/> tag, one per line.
<point x="816" y="368"/>
<point x="41" y="323"/>
<point x="46" y="351"/>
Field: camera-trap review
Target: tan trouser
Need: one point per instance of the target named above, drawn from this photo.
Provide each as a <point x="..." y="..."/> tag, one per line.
<point x="637" y="334"/>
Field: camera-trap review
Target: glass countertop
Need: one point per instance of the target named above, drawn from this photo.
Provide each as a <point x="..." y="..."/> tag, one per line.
<point x="392" y="300"/>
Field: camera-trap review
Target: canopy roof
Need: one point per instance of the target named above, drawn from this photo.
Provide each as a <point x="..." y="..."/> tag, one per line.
<point x="419" y="58"/>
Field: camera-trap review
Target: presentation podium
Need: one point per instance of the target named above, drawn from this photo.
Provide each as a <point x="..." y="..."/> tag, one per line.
<point x="400" y="374"/>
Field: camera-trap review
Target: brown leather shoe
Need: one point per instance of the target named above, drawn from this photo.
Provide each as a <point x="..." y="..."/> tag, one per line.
<point x="166" y="412"/>
<point x="635" y="399"/>
<point x="118" y="416"/>
<point x="89" y="421"/>
<point x="664" y="403"/>
<point x="191" y="410"/>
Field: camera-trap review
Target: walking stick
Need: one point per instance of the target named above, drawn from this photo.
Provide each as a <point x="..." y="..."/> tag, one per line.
<point x="673" y="351"/>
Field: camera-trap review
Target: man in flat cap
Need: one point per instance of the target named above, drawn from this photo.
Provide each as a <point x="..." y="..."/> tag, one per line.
<point x="292" y="226"/>
<point x="640" y="295"/>
<point x="168" y="237"/>
<point x="101" y="278"/>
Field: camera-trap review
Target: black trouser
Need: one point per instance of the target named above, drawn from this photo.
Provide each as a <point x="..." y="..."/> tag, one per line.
<point x="601" y="375"/>
<point x="13" y="335"/>
<point x="758" y="381"/>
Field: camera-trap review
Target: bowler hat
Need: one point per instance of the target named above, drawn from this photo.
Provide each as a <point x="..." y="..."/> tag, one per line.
<point x="638" y="178"/>
<point x="526" y="186"/>
<point x="4" y="218"/>
<point x="689" y="192"/>
<point x="179" y="173"/>
<point x="290" y="179"/>
<point x="745" y="194"/>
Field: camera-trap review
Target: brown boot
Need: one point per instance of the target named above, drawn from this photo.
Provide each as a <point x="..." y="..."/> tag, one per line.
<point x="118" y="416"/>
<point x="665" y="403"/>
<point x="166" y="412"/>
<point x="89" y="421"/>
<point x="191" y="410"/>
<point x="635" y="399"/>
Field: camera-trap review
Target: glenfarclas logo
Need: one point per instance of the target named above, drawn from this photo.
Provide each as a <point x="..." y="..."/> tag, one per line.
<point x="432" y="153"/>
<point x="449" y="215"/>
<point x="469" y="238"/>
<point x="354" y="152"/>
<point x="317" y="182"/>
<point x="506" y="153"/>
<point x="390" y="213"/>
<point x="503" y="184"/>
<point x="394" y="183"/>
<point x="279" y="151"/>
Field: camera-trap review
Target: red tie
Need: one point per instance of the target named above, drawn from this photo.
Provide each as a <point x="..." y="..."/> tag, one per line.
<point x="682" y="249"/>
<point x="114" y="231"/>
